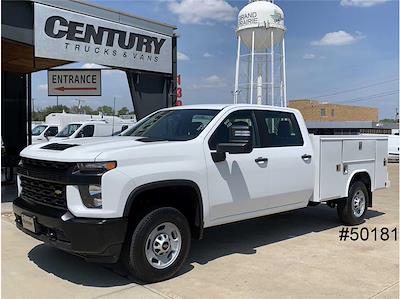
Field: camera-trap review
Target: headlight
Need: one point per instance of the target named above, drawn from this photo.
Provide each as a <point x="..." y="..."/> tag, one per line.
<point x="91" y="196"/>
<point x="96" y="167"/>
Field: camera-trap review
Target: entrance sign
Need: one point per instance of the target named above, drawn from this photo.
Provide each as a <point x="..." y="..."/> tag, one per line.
<point x="66" y="35"/>
<point x="71" y="82"/>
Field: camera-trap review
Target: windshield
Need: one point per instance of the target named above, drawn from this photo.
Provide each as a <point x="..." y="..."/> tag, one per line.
<point x="173" y="125"/>
<point x="38" y="130"/>
<point x="68" y="130"/>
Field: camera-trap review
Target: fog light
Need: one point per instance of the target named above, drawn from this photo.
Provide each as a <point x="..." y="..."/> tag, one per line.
<point x="91" y="196"/>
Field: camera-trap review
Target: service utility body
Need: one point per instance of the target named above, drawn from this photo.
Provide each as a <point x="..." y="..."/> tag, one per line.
<point x="139" y="198"/>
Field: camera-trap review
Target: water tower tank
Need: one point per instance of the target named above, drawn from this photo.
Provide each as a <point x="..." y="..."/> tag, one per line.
<point x="262" y="17"/>
<point x="260" y="65"/>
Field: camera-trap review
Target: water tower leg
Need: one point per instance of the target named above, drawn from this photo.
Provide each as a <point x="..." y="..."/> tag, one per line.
<point x="284" y="72"/>
<point x="272" y="69"/>
<point x="252" y="68"/>
<point x="236" y="91"/>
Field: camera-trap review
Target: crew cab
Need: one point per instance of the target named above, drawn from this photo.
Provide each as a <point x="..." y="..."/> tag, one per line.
<point x="141" y="197"/>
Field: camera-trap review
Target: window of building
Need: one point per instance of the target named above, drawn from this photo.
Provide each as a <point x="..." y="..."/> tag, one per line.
<point x="323" y="112"/>
<point x="333" y="112"/>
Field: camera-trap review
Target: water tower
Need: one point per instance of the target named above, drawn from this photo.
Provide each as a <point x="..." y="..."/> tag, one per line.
<point x="260" y="68"/>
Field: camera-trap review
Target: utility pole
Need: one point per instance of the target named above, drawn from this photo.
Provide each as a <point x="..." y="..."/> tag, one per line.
<point x="113" y="118"/>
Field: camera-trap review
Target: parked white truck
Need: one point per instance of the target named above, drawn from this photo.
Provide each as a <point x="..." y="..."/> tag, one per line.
<point x="141" y="197"/>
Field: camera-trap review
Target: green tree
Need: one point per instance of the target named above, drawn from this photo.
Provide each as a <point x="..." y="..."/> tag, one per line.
<point x="389" y="120"/>
<point x="106" y="110"/>
<point x="123" y="111"/>
<point x="83" y="109"/>
<point x="41" y="114"/>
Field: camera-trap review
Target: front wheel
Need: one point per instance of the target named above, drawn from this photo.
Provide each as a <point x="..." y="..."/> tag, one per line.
<point x="158" y="246"/>
<point x="353" y="209"/>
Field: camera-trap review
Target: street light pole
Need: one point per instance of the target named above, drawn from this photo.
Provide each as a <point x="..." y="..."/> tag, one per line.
<point x="113" y="118"/>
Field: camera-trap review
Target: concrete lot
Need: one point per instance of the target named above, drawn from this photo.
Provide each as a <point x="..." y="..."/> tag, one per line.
<point x="295" y="254"/>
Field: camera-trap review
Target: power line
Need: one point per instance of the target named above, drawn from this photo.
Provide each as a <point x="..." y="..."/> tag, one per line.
<point x="368" y="97"/>
<point x="353" y="89"/>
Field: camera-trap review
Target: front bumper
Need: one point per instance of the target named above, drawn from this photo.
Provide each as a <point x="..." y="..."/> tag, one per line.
<point x="97" y="240"/>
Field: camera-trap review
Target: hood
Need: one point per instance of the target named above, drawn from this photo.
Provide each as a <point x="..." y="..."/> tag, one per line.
<point x="80" y="149"/>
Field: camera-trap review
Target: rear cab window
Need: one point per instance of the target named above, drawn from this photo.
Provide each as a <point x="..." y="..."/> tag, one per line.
<point x="278" y="129"/>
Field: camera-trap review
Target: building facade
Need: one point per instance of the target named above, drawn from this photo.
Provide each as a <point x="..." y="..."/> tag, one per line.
<point x="315" y="111"/>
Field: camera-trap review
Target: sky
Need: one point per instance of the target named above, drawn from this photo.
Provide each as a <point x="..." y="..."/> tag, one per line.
<point x="337" y="51"/>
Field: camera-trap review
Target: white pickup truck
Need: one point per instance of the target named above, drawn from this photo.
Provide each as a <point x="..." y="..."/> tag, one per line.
<point x="141" y="197"/>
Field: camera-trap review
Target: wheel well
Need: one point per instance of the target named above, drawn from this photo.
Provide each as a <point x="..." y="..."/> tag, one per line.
<point x="184" y="196"/>
<point x="364" y="178"/>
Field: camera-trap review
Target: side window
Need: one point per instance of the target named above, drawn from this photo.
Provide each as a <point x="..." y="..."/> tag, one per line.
<point x="52" y="131"/>
<point x="278" y="129"/>
<point x="242" y="117"/>
<point x="86" y="131"/>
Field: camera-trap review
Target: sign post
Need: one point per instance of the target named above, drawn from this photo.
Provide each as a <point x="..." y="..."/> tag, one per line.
<point x="74" y="82"/>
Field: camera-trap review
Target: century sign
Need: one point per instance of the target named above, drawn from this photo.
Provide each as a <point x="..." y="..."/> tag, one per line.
<point x="65" y="35"/>
<point x="71" y="82"/>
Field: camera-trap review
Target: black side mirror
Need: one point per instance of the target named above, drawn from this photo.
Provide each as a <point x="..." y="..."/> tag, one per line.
<point x="240" y="142"/>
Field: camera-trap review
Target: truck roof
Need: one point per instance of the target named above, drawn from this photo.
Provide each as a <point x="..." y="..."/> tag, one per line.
<point x="226" y="106"/>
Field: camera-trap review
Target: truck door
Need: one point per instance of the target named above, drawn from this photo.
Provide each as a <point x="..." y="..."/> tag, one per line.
<point x="236" y="186"/>
<point x="288" y="176"/>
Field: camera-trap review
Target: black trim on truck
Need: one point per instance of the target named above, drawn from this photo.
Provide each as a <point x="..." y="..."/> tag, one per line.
<point x="96" y="240"/>
<point x="169" y="183"/>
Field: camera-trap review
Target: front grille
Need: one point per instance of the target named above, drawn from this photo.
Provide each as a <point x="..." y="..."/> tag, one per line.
<point x="48" y="193"/>
<point x="43" y="164"/>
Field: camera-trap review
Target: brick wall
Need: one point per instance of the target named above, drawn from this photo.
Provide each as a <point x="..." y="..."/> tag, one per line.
<point x="316" y="111"/>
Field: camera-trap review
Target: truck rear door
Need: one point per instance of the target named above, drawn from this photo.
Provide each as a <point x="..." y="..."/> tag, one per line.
<point x="289" y="173"/>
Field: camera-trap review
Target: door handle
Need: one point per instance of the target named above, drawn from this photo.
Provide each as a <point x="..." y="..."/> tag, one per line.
<point x="306" y="157"/>
<point x="261" y="159"/>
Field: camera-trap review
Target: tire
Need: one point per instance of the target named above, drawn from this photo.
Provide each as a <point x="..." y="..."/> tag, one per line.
<point x="352" y="210"/>
<point x="159" y="229"/>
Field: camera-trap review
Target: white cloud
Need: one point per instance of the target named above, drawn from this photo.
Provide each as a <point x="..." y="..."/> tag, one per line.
<point x="91" y="66"/>
<point x="309" y="56"/>
<point x="203" y="11"/>
<point x="338" y="38"/>
<point x="105" y="70"/>
<point x="182" y="57"/>
<point x="361" y="3"/>
<point x="212" y="81"/>
<point x="42" y="87"/>
<point x="208" y="55"/>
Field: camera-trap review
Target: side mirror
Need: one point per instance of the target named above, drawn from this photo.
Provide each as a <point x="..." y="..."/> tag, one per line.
<point x="240" y="142"/>
<point x="46" y="135"/>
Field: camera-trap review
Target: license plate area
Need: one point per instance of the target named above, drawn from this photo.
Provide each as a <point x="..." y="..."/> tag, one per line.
<point x="29" y="222"/>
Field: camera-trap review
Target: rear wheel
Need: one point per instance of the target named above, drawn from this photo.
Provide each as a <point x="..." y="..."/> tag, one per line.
<point x="353" y="209"/>
<point x="159" y="245"/>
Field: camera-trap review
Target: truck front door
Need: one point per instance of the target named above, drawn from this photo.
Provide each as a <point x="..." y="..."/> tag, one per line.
<point x="236" y="186"/>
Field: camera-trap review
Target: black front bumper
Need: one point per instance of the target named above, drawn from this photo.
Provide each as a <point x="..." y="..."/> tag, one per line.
<point x="98" y="240"/>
